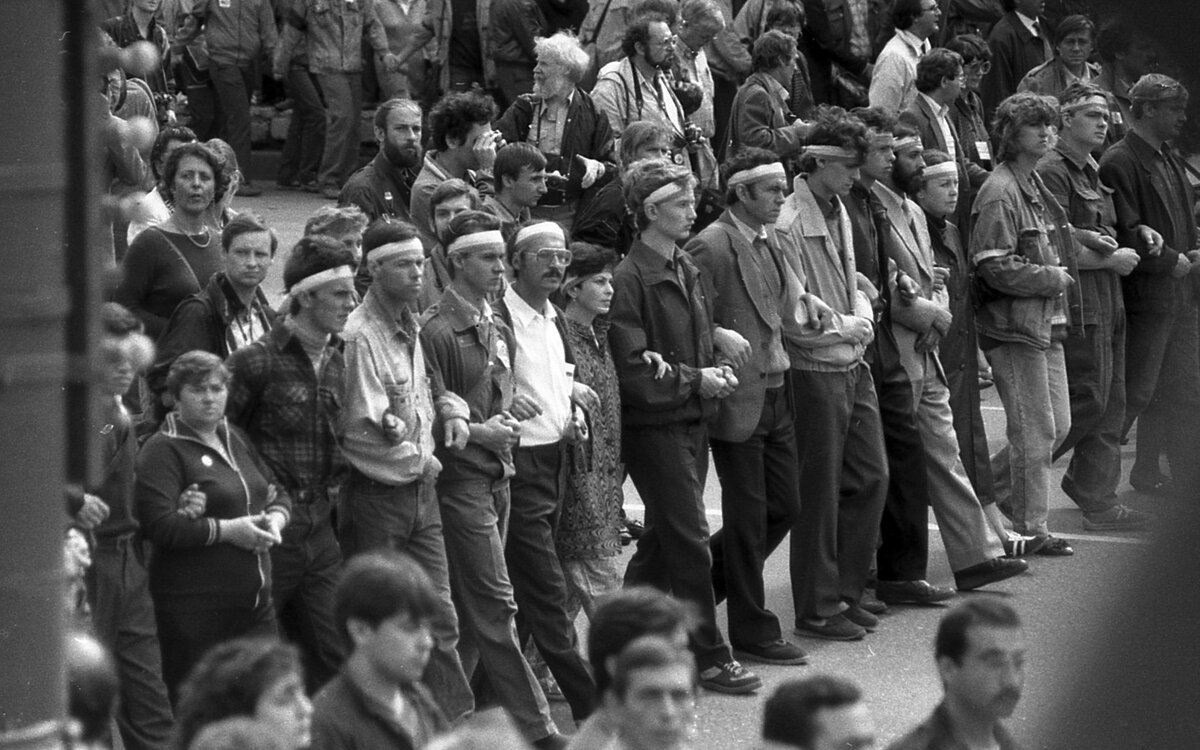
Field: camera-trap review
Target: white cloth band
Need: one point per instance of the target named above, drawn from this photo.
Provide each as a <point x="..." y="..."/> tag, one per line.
<point x="309" y="283"/>
<point x="831" y="152"/>
<point x="542" y="228"/>
<point x="670" y="190"/>
<point x="468" y="241"/>
<point x="1089" y="101"/>
<point x="905" y="142"/>
<point x="384" y="252"/>
<point x="761" y="172"/>
<point x="945" y="169"/>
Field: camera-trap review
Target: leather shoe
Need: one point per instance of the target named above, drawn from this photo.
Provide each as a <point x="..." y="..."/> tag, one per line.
<point x="911" y="592"/>
<point x="861" y="617"/>
<point x="996" y="569"/>
<point x="871" y="603"/>
<point x="772" y="652"/>
<point x="836" y="628"/>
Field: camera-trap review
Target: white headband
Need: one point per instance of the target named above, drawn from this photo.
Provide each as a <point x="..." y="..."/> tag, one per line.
<point x="831" y="152"/>
<point x="1089" y="101"/>
<point x="539" y="229"/>
<point x="468" y="241"/>
<point x="309" y="283"/>
<point x="945" y="169"/>
<point x="905" y="142"/>
<point x="670" y="190"/>
<point x="384" y="252"/>
<point x="761" y="172"/>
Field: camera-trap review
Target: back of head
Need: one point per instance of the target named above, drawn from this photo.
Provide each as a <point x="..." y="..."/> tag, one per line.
<point x="335" y="221"/>
<point x="951" y="641"/>
<point x="877" y="119"/>
<point x="790" y="714"/>
<point x="91" y="686"/>
<point x="486" y="730"/>
<point x="663" y="10"/>
<point x="225" y="151"/>
<point x="376" y="586"/>
<point x="626" y="615"/>
<point x="455" y="114"/>
<point x="834" y="126"/>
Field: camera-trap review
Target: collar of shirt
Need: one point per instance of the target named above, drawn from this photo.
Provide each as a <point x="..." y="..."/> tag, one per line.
<point x="828" y="207"/>
<point x="1031" y="24"/>
<point x="886" y="195"/>
<point x="432" y="165"/>
<point x="522" y="314"/>
<point x="941" y="111"/>
<point x="404" y="327"/>
<point x="461" y="314"/>
<point x="774" y="87"/>
<point x="746" y="231"/>
<point x="919" y="46"/>
<point x="1073" y="155"/>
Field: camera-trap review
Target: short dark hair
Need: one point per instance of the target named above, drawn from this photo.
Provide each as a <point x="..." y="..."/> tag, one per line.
<point x="451" y="189"/>
<point x="637" y="135"/>
<point x="228" y="681"/>
<point x="936" y="65"/>
<point x="1078" y="90"/>
<point x="643" y="178"/>
<point x="771" y="50"/>
<point x="1073" y="24"/>
<point x="790" y="714"/>
<point x="385" y="109"/>
<point x="951" y="641"/>
<point x="934" y="156"/>
<point x="971" y="47"/>
<point x="877" y="119"/>
<point x="203" y="153"/>
<point x="638" y="32"/>
<point x="375" y="586"/>
<point x="627" y="614"/>
<point x="1117" y="35"/>
<point x="164" y="138"/>
<point x="649" y="652"/>
<point x="904" y="12"/>
<point x="312" y="255"/>
<point x="835" y="126"/>
<point x="246" y="223"/>
<point x="455" y="114"/>
<point x="588" y="259"/>
<point x="92" y="685"/>
<point x="784" y="13"/>
<point x="193" y="368"/>
<point x="1017" y="111"/>
<point x="666" y="10"/>
<point x="335" y="221"/>
<point x="514" y="157"/>
<point x="747" y="157"/>
<point x="385" y="231"/>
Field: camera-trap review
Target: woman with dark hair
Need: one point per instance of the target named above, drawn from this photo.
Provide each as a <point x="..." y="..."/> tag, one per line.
<point x="967" y="112"/>
<point x="209" y="505"/>
<point x="1073" y="42"/>
<point x="168" y="262"/>
<point x="258" y="678"/>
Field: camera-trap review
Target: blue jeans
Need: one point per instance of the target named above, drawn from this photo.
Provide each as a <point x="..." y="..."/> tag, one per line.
<point x="1033" y="387"/>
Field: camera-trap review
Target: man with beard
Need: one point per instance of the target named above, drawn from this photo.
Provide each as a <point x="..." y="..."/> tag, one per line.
<point x="974" y="549"/>
<point x="384" y="187"/>
<point x="544" y="401"/>
<point x="980" y="653"/>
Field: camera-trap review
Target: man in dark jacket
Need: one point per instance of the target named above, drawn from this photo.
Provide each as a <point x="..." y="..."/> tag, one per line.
<point x="384" y="186"/>
<point x="1020" y="41"/>
<point x="760" y="116"/>
<point x="840" y="39"/>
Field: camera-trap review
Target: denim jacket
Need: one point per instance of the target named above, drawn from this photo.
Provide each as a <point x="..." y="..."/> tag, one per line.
<point x="333" y="31"/>
<point x="1020" y="232"/>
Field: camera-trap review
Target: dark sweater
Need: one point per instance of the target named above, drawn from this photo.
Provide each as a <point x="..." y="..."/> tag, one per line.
<point x="160" y="270"/>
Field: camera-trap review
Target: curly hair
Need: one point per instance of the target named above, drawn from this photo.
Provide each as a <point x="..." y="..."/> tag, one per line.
<point x="877" y="119"/>
<point x="646" y="176"/>
<point x="1017" y="111"/>
<point x="228" y="681"/>
<point x="564" y="48"/>
<point x="835" y="126"/>
<point x="165" y="137"/>
<point x="772" y="49"/>
<point x="971" y="47"/>
<point x="455" y="114"/>
<point x="199" y="151"/>
<point x="334" y="221"/>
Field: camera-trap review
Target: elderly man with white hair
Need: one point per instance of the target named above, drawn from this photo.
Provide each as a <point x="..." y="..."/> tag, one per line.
<point x="563" y="122"/>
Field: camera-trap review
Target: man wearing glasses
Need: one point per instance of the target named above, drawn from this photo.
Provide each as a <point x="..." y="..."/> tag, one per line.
<point x="543" y="401"/>
<point x="893" y="83"/>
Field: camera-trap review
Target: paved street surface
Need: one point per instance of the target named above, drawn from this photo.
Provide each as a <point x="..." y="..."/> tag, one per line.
<point x="1062" y="600"/>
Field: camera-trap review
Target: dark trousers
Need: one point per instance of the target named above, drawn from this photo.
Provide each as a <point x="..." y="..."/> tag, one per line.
<point x="1162" y="365"/>
<point x="540" y="589"/>
<point x="374" y="515"/>
<point x="667" y="464"/>
<point x="202" y="101"/>
<point x="123" y="615"/>
<point x="343" y="113"/>
<point x="304" y="572"/>
<point x="512" y="80"/>
<point x="233" y="85"/>
<point x="843" y="479"/>
<point x="962" y="378"/>
<point x="903" y="553"/>
<point x="301" y="157"/>
<point x="759" y="491"/>
<point x="185" y="636"/>
<point x="1096" y="386"/>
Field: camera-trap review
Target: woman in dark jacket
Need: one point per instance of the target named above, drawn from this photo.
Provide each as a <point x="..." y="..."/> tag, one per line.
<point x="210" y="572"/>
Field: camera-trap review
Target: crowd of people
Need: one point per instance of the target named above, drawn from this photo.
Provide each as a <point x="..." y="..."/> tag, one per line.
<point x="797" y="239"/>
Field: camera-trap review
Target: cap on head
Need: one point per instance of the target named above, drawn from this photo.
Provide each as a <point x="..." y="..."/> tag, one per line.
<point x="1156" y="87"/>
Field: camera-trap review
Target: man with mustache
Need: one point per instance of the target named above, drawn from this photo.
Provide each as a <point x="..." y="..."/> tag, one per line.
<point x="980" y="653"/>
<point x="384" y="186"/>
<point x="544" y="401"/>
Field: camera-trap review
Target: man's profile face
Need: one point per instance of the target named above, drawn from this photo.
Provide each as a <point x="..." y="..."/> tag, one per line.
<point x="674" y="216"/>
<point x="906" y="172"/>
<point x="528" y="188"/>
<point x="844" y="728"/>
<point x="661" y="45"/>
<point x="1166" y="119"/>
<point x="880" y="158"/>
<point x="989" y="677"/>
<point x="401" y="137"/>
<point x="659" y="707"/>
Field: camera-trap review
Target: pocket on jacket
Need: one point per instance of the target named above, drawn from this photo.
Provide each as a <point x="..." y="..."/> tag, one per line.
<point x="289" y="407"/>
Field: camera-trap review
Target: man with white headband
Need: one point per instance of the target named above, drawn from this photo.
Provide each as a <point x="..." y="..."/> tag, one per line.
<point x="285" y="394"/>
<point x="387" y="419"/>
<point x="544" y="379"/>
<point x="974" y="548"/>
<point x="753" y="438"/>
<point x="843" y="471"/>
<point x="662" y="302"/>
<point x="469" y="350"/>
<point x="1095" y="357"/>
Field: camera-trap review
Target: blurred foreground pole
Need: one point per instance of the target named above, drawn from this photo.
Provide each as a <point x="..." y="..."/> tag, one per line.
<point x="47" y="284"/>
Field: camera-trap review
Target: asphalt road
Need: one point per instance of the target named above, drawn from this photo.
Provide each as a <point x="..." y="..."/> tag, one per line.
<point x="1064" y="601"/>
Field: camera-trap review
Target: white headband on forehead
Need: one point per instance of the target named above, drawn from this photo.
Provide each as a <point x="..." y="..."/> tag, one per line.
<point x="945" y="169"/>
<point x="309" y="283"/>
<point x="670" y="190"/>
<point x="761" y="172"/>
<point x="831" y="152"/>
<point x="541" y="229"/>
<point x="901" y="143"/>
<point x="475" y="239"/>
<point x="1097" y="100"/>
<point x="384" y="252"/>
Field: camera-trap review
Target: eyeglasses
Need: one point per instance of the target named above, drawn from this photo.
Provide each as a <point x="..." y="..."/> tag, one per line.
<point x="982" y="67"/>
<point x="551" y="255"/>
